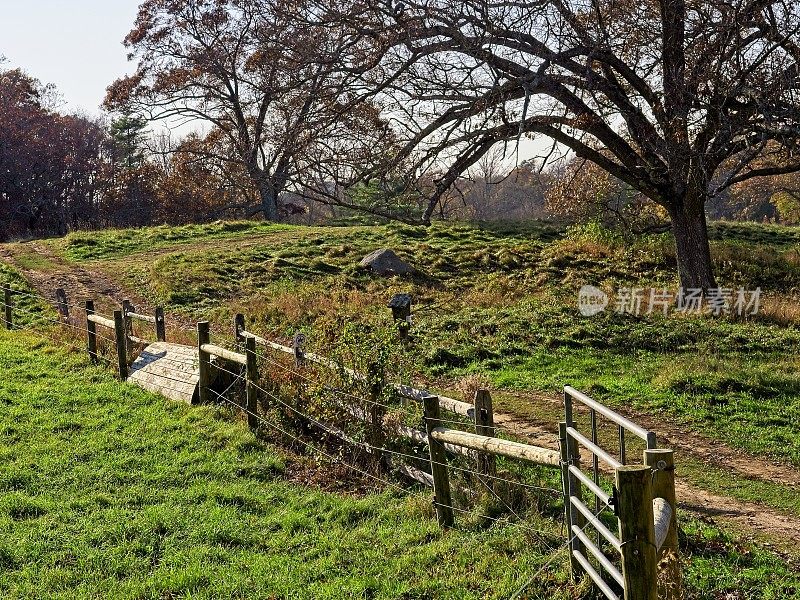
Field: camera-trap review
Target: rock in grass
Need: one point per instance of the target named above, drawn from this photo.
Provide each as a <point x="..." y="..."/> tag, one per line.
<point x="385" y="262"/>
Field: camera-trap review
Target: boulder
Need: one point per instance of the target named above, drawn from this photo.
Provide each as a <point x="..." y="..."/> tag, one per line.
<point x="386" y="262"/>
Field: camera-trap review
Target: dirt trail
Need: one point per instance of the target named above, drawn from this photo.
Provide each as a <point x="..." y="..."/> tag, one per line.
<point x="781" y="530"/>
<point x="82" y="284"/>
<point x="760" y="522"/>
<point x="79" y="283"/>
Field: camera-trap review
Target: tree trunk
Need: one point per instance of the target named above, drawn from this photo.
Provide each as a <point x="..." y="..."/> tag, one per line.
<point x="691" y="245"/>
<point x="269" y="201"/>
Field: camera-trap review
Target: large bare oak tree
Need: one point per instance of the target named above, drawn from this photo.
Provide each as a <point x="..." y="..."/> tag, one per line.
<point x="680" y="99"/>
<point x="270" y="77"/>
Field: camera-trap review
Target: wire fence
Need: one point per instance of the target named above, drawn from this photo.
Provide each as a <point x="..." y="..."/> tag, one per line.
<point x="354" y="405"/>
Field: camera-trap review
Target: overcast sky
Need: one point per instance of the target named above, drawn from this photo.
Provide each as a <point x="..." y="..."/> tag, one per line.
<point x="75" y="44"/>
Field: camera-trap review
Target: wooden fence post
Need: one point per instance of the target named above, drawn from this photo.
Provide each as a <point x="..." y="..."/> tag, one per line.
<point x="122" y="344"/>
<point x="484" y="425"/>
<point x="662" y="462"/>
<point x="239" y="326"/>
<point x="635" y="512"/>
<point x="127" y="308"/>
<point x="161" y="326"/>
<point x="203" y="337"/>
<point x="63" y="305"/>
<point x="376" y="437"/>
<point x="252" y="378"/>
<point x="91" y="332"/>
<point x="441" y="481"/>
<point x="297" y="345"/>
<point x="9" y="317"/>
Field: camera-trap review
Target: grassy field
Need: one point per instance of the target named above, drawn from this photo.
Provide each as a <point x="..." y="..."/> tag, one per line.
<point x="109" y="491"/>
<point x="501" y="301"/>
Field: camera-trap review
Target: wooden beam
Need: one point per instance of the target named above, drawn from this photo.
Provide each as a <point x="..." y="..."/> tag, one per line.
<point x="9" y="318"/>
<point x="486" y="463"/>
<point x="497" y="446"/>
<point x="122" y="344"/>
<point x="145" y="318"/>
<point x="62" y="303"/>
<point x="239" y="330"/>
<point x="91" y="332"/>
<point x="662" y="462"/>
<point x="127" y="308"/>
<point x="161" y="326"/>
<point x="203" y="338"/>
<point x="225" y="353"/>
<point x="98" y="320"/>
<point x="252" y="381"/>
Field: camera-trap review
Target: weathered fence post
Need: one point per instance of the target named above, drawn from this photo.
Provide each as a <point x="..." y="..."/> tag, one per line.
<point x="297" y="345"/>
<point x="252" y="378"/>
<point x="203" y="338"/>
<point x="127" y="308"/>
<point x="484" y="425"/>
<point x="9" y="317"/>
<point x="238" y="327"/>
<point x="62" y="304"/>
<point x="662" y="463"/>
<point x="161" y="326"/>
<point x="91" y="332"/>
<point x="441" y="481"/>
<point x="376" y="437"/>
<point x="122" y="344"/>
<point x="400" y="304"/>
<point x="637" y="533"/>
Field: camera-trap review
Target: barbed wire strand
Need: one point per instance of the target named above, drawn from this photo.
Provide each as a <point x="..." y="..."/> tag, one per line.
<point x="370" y="475"/>
<point x="54" y="303"/>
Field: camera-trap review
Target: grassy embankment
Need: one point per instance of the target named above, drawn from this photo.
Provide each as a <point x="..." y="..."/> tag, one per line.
<point x="500" y="301"/>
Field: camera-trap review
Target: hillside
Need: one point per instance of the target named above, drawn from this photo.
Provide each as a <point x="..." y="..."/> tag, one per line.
<point x="496" y="300"/>
<point x="108" y="491"/>
<point x="500" y="302"/>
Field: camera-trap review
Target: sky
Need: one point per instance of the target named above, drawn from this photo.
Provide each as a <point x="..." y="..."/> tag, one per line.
<point x="77" y="46"/>
<point x="74" y="44"/>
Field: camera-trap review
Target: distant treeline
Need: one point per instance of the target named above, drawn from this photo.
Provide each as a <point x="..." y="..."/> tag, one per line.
<point x="64" y="172"/>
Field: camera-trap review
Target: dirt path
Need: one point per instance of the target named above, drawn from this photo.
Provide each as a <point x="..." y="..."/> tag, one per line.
<point x="781" y="530"/>
<point x="753" y="520"/>
<point x="79" y="283"/>
<point x="82" y="284"/>
<point x="683" y="441"/>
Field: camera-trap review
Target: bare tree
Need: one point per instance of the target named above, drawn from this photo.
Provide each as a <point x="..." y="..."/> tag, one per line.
<point x="660" y="94"/>
<point x="271" y="76"/>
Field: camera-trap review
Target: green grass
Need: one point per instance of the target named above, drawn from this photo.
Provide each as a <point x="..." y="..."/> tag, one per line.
<point x="110" y="243"/>
<point x="28" y="308"/>
<point x="751" y="402"/>
<point x="109" y="491"/>
<point x="500" y="300"/>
